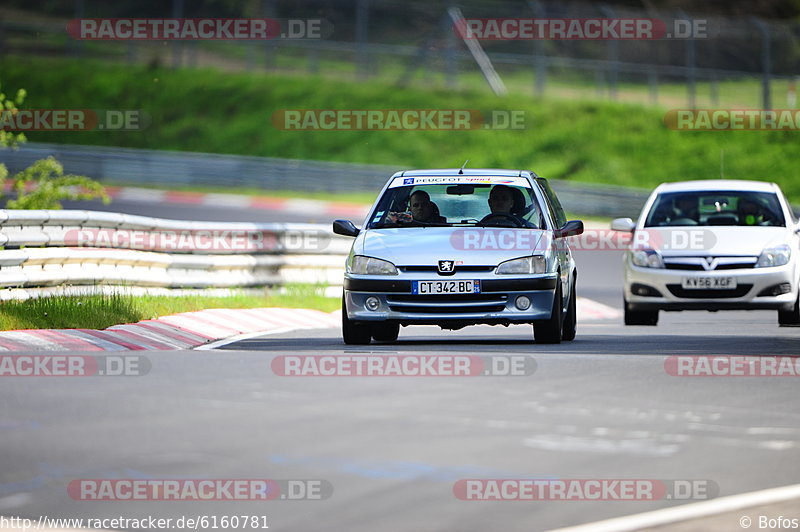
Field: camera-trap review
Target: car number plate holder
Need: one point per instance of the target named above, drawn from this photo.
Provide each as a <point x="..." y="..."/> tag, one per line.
<point x="444" y="288"/>
<point x="708" y="283"/>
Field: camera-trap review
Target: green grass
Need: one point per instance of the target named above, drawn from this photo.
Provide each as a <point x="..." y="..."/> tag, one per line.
<point x="101" y="311"/>
<point x="224" y="112"/>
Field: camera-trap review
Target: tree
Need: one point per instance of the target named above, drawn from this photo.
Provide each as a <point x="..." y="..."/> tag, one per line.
<point x="42" y="185"/>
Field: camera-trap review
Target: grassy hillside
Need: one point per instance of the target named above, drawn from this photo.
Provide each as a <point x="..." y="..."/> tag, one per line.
<point x="231" y="113"/>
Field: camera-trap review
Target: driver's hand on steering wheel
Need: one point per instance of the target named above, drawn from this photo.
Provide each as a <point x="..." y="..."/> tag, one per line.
<point x="512" y="218"/>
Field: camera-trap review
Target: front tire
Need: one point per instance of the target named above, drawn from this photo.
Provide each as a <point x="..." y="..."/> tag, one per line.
<point x="790" y="318"/>
<point x="354" y="333"/>
<point x="549" y="332"/>
<point x="571" y="319"/>
<point x="641" y="317"/>
<point x="385" y="332"/>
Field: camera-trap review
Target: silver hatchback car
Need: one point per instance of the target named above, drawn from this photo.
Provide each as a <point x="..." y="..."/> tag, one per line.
<point x="460" y="247"/>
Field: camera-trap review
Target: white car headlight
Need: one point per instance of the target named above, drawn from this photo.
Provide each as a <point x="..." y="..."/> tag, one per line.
<point x="361" y="265"/>
<point x="774" y="256"/>
<point x="647" y="258"/>
<point x="524" y="265"/>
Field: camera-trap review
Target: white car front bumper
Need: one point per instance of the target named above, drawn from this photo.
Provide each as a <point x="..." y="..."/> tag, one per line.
<point x="756" y="288"/>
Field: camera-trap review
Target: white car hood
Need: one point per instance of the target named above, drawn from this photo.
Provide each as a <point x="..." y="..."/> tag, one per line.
<point x="714" y="240"/>
<point x="423" y="246"/>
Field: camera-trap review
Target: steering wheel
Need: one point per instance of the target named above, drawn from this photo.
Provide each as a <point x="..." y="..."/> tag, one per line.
<point x="501" y="216"/>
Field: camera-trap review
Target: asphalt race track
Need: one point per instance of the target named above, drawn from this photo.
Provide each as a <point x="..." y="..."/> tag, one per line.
<point x="392" y="448"/>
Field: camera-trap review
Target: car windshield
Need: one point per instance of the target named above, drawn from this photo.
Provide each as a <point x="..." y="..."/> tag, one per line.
<point x="458" y="203"/>
<point x="741" y="208"/>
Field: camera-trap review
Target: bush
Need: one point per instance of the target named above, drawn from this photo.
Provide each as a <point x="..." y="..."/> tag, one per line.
<point x="43" y="184"/>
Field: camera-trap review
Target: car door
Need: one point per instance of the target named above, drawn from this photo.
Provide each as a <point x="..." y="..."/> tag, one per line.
<point x="563" y="251"/>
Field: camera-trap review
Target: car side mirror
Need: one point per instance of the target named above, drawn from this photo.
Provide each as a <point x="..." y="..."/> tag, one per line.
<point x="571" y="228"/>
<point x="345" y="227"/>
<point x="626" y="225"/>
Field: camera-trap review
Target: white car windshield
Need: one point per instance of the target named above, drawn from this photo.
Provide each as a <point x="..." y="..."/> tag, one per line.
<point x="741" y="208"/>
<point x="497" y="205"/>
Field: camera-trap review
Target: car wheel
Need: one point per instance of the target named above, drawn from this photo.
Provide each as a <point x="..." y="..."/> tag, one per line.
<point x="640" y="317"/>
<point x="790" y="318"/>
<point x="385" y="332"/>
<point x="571" y="319"/>
<point x="354" y="333"/>
<point x="549" y="332"/>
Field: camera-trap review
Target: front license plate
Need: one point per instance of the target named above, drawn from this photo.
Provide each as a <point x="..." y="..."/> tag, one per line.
<point x="445" y="287"/>
<point x="709" y="283"/>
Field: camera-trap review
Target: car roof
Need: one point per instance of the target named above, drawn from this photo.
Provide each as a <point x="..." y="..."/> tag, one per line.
<point x="718" y="184"/>
<point x="466" y="171"/>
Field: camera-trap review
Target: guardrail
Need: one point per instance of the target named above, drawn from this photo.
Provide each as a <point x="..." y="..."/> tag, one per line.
<point x="167" y="168"/>
<point x="48" y="248"/>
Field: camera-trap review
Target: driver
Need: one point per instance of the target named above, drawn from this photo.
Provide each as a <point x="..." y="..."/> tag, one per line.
<point x="506" y="203"/>
<point x="686" y="207"/>
<point x="501" y="199"/>
<point x="750" y="212"/>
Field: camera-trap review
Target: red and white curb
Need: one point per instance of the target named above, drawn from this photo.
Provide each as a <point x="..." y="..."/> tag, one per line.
<point x="203" y="329"/>
<point x="168" y="333"/>
<point x="590" y="310"/>
<point x="239" y="201"/>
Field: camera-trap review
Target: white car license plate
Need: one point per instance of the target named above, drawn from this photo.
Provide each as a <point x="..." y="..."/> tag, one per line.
<point x="709" y="283"/>
<point x="445" y="287"/>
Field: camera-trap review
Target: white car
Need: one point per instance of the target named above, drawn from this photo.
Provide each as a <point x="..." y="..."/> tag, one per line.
<point x="712" y="245"/>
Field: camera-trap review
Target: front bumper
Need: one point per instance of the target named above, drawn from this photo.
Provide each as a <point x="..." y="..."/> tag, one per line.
<point x="752" y="285"/>
<point x="494" y="305"/>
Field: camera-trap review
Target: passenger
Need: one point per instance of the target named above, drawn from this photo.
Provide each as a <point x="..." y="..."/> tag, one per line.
<point x="422" y="210"/>
<point x="750" y="212"/>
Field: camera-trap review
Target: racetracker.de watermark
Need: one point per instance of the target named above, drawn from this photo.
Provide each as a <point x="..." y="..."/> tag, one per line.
<point x="397" y="119"/>
<point x="557" y="29"/>
<point x="732" y="366"/>
<point x="403" y="366"/>
<point x="532" y="240"/>
<point x="197" y="29"/>
<point x="52" y="365"/>
<point x="581" y="489"/>
<point x="73" y="120"/>
<point x="209" y="489"/>
<point x="733" y="119"/>
<point x="202" y="240"/>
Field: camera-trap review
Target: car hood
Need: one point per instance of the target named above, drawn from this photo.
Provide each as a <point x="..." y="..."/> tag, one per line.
<point x="702" y="241"/>
<point x="423" y="246"/>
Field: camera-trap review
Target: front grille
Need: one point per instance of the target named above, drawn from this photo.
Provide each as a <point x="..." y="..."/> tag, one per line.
<point x="435" y="269"/>
<point x="678" y="291"/>
<point x="411" y="309"/>
<point x="737" y="265"/>
<point x="671" y="266"/>
<point x="446" y="304"/>
<point x="701" y="264"/>
<point x="446" y="298"/>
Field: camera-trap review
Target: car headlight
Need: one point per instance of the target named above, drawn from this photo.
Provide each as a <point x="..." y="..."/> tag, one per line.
<point x="524" y="265"/>
<point x="361" y="265"/>
<point x="647" y="258"/>
<point x="774" y="256"/>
